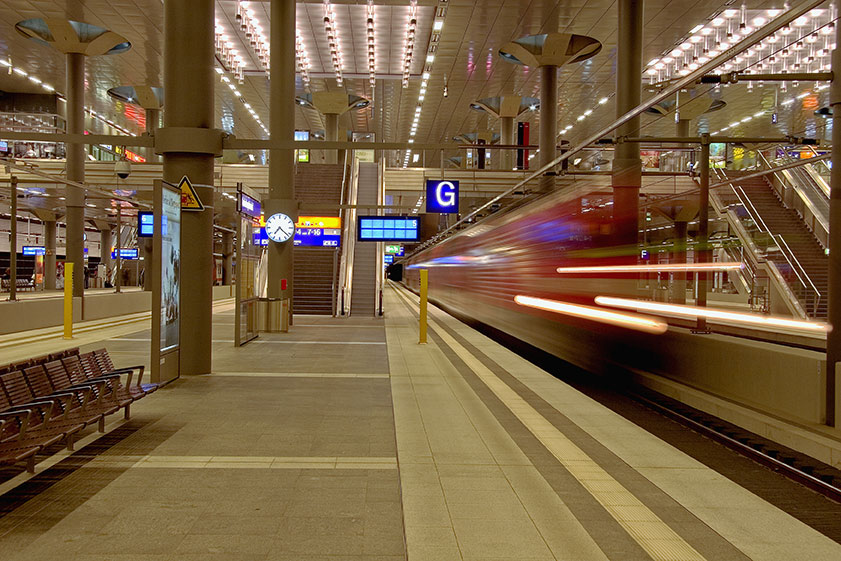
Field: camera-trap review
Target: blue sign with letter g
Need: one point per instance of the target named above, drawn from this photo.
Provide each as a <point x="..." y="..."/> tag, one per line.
<point x="442" y="196"/>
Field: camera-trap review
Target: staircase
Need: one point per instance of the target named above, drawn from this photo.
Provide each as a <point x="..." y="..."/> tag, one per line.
<point x="315" y="267"/>
<point x="314" y="280"/>
<point x="804" y="252"/>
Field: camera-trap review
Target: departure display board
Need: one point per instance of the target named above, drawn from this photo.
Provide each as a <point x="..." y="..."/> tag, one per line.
<point x="388" y="229"/>
<point x="34" y="250"/>
<point x="318" y="231"/>
<point x="126" y="253"/>
<point x="145" y="224"/>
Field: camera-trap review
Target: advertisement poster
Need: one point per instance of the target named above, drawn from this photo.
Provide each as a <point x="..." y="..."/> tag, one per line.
<point x="650" y="159"/>
<point x="170" y="269"/>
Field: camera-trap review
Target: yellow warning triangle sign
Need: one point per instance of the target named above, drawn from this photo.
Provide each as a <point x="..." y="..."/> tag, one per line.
<point x="189" y="198"/>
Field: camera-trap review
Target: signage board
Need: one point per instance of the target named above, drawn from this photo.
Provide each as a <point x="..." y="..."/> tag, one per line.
<point x="302" y="155"/>
<point x="388" y="229"/>
<point x="34" y="250"/>
<point x="145" y="224"/>
<point x="442" y="196"/>
<point x="126" y="253"/>
<point x="248" y="205"/>
<point x="388" y="259"/>
<point x="310" y="231"/>
<point x="318" y="231"/>
<point x="394" y="249"/>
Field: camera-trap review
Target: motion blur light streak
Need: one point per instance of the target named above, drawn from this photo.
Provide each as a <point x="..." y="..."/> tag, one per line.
<point x="652" y="268"/>
<point x="712" y="313"/>
<point x="640" y="323"/>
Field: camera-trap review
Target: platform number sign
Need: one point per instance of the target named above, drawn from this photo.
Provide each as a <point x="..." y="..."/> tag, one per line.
<point x="442" y="196"/>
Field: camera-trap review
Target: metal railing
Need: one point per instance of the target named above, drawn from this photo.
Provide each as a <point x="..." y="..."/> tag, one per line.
<point x="768" y="243"/>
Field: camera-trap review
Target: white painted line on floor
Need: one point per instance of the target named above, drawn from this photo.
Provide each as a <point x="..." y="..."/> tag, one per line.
<point x="243" y="462"/>
<point x="296" y="375"/>
<point x="262" y="342"/>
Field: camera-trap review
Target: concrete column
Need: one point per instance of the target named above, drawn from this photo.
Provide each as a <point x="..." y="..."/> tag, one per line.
<point x="153" y="119"/>
<point x="508" y="135"/>
<point x="49" y="254"/>
<point x="145" y="247"/>
<point x="833" y="337"/>
<point x="627" y="169"/>
<point x="702" y="250"/>
<point x="548" y="122"/>
<point x="118" y="261"/>
<point x="75" y="196"/>
<point x="227" y="258"/>
<point x="189" y="102"/>
<point x="282" y="126"/>
<point x="678" y="255"/>
<point x="331" y="134"/>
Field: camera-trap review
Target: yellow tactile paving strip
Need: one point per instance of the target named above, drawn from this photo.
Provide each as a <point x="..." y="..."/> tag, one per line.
<point x="660" y="541"/>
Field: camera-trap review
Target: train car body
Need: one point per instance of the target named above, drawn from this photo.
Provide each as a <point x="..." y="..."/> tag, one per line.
<point x="478" y="272"/>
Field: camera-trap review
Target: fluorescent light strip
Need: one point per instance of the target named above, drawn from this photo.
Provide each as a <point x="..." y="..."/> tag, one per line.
<point x="713" y="313"/>
<point x="652" y="268"/>
<point x="638" y="323"/>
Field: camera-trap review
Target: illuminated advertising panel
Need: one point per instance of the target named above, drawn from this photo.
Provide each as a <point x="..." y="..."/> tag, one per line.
<point x="388" y="229"/>
<point x="170" y="269"/>
<point x="442" y="196"/>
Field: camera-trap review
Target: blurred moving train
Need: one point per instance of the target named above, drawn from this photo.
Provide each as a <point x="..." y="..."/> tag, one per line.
<point x="547" y="272"/>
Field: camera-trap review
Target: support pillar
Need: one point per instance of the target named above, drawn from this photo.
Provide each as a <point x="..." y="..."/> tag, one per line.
<point x="227" y="258"/>
<point x="507" y="135"/>
<point x="833" y="337"/>
<point x="548" y="123"/>
<point x="627" y="168"/>
<point x="49" y="254"/>
<point x="13" y="239"/>
<point x="331" y="134"/>
<point x="281" y="162"/>
<point x="702" y="251"/>
<point x="105" y="253"/>
<point x="153" y="119"/>
<point x="678" y="255"/>
<point x="75" y="196"/>
<point x="189" y="102"/>
<point x="118" y="267"/>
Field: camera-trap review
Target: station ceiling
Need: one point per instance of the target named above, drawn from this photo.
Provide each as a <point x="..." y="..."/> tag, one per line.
<point x="465" y="64"/>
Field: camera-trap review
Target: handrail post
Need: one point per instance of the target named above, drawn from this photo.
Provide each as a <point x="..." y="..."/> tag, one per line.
<point x="702" y="252"/>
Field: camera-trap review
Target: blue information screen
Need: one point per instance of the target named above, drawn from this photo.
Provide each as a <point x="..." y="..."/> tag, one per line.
<point x="145" y="224"/>
<point x="34" y="250"/>
<point x="388" y="258"/>
<point x="388" y="229"/>
<point x="126" y="253"/>
<point x="442" y="196"/>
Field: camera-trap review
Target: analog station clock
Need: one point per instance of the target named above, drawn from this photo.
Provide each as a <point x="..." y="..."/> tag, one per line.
<point x="279" y="227"/>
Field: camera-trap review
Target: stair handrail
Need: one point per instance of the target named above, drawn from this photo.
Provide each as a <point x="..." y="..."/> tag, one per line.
<point x="782" y="245"/>
<point x="349" y="234"/>
<point x="757" y="258"/>
<point x="805" y="175"/>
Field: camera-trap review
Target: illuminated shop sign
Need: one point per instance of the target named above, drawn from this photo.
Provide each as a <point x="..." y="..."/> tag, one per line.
<point x="442" y="196"/>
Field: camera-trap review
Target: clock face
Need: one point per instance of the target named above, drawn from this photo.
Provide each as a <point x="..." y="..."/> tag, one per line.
<point x="279" y="227"/>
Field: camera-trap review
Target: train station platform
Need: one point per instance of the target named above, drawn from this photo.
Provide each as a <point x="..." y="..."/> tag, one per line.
<point x="347" y="440"/>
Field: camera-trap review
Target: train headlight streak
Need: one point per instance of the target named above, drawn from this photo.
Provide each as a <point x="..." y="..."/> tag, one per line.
<point x="712" y="313"/>
<point x="639" y="323"/>
<point x="688" y="267"/>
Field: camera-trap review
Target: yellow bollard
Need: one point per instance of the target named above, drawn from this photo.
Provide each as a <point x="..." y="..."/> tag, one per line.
<point x="68" y="300"/>
<point x="424" y="284"/>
